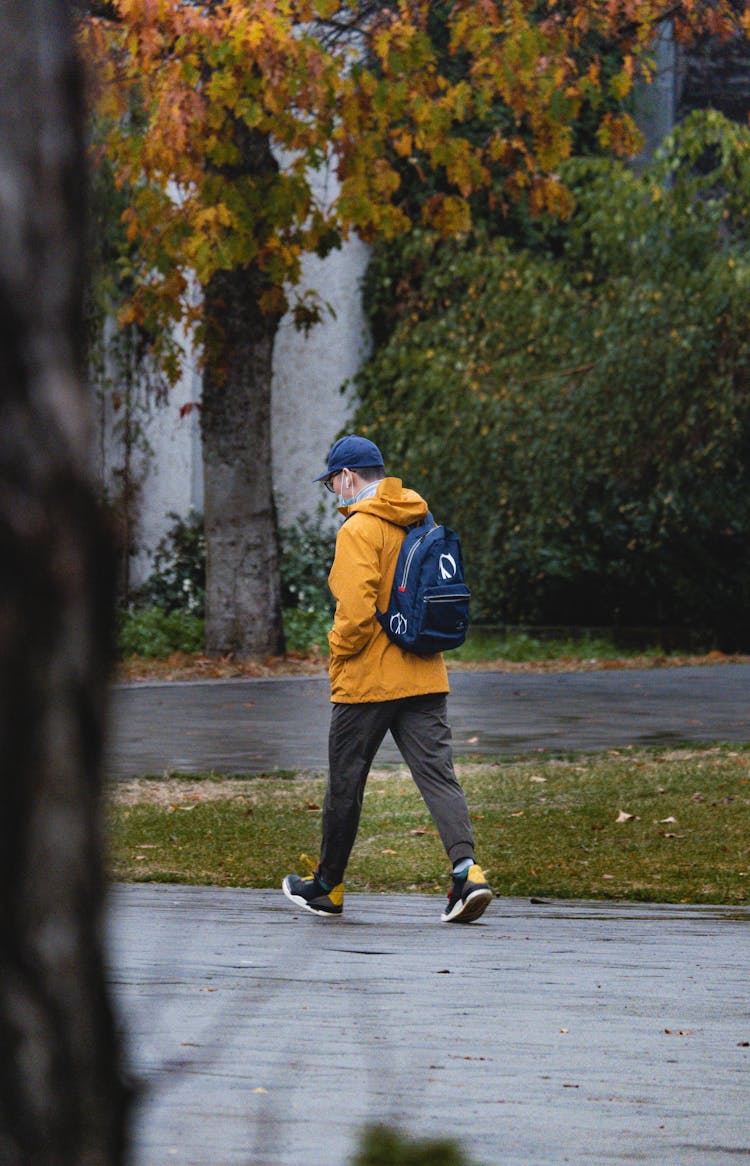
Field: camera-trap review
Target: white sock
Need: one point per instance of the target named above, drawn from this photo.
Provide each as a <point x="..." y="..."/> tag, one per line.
<point x="461" y="869"/>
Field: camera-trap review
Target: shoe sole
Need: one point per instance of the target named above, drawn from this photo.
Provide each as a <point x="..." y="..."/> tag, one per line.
<point x="300" y="902"/>
<point x="470" y="908"/>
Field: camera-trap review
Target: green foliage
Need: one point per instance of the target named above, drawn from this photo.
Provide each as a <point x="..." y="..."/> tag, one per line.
<point x="384" y="1146"/>
<point x="153" y="633"/>
<point x="178" y="580"/>
<point x="306" y="631"/>
<point x="306" y="557"/>
<point x="167" y="615"/>
<point x="307" y="552"/>
<point x="584" y="419"/>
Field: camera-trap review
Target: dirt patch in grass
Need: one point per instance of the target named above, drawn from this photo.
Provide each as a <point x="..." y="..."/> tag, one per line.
<point x="171" y="791"/>
<point x="183" y="666"/>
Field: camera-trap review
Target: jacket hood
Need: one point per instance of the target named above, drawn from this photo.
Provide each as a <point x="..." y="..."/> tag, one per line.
<point x="392" y="502"/>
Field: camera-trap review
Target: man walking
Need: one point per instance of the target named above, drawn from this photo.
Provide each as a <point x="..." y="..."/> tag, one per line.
<point x="376" y="686"/>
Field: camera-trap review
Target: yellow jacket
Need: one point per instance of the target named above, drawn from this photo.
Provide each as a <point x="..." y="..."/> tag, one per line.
<point x="365" y="664"/>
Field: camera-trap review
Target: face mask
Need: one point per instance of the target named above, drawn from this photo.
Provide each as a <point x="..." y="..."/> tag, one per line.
<point x="366" y="492"/>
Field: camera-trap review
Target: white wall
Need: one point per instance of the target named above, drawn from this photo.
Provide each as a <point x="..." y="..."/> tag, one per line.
<point x="309" y="371"/>
<point x="174" y="478"/>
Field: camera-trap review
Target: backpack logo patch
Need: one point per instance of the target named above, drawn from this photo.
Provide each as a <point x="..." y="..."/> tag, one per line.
<point x="447" y="567"/>
<point x="398" y="624"/>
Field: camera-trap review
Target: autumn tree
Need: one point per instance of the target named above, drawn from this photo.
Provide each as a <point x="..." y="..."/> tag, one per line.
<point x="62" y="1100"/>
<point x="217" y="118"/>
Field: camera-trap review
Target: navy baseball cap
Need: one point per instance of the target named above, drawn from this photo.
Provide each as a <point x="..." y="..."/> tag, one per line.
<point x="351" y="453"/>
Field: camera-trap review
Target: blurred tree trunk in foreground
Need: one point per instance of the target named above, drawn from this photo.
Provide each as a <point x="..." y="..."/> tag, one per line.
<point x="62" y="1099"/>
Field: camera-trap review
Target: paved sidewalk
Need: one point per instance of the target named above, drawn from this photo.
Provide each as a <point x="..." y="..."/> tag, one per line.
<point x="544" y="1034"/>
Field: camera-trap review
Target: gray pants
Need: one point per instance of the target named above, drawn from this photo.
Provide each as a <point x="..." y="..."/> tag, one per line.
<point x="420" y="728"/>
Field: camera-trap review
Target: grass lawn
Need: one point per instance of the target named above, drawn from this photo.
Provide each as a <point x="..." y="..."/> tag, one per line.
<point x="661" y="825"/>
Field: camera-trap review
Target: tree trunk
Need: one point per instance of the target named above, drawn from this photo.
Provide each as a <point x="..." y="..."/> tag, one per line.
<point x="243" y="590"/>
<point x="62" y="1100"/>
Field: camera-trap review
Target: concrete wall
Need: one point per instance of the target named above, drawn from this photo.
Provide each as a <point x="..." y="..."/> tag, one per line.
<point x="149" y="441"/>
<point x="309" y="407"/>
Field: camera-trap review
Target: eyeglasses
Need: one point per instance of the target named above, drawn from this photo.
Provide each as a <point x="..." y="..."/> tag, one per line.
<point x="328" y="482"/>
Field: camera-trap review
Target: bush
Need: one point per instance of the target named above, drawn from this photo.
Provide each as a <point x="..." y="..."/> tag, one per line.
<point x="167" y="615"/>
<point x="154" y="633"/>
<point x="178" y="580"/>
<point x="306" y="557"/>
<point x="583" y="418"/>
<point x="306" y="631"/>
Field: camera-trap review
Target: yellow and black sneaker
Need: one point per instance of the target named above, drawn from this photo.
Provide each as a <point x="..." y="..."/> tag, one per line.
<point x="468" y="898"/>
<point x="314" y="895"/>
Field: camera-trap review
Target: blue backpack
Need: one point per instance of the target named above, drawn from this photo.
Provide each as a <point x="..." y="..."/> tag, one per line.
<point x="428" y="610"/>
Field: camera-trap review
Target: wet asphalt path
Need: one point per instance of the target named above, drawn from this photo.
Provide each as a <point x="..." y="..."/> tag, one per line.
<point x="254" y="726"/>
<point x="595" y="1034"/>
